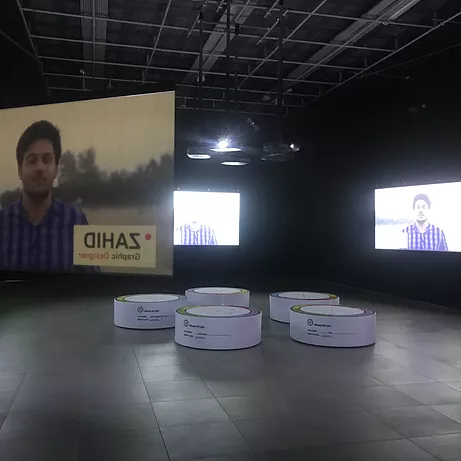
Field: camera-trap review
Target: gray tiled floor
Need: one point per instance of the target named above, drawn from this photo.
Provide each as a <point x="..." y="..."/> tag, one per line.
<point x="74" y="387"/>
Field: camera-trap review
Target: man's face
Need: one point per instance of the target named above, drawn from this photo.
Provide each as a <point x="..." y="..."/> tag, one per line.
<point x="421" y="210"/>
<point x="38" y="170"/>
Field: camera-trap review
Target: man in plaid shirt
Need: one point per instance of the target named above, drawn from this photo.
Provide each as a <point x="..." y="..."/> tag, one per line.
<point x="422" y="235"/>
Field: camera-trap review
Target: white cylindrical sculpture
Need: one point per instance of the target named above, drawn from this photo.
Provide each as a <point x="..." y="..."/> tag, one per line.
<point x="218" y="327"/>
<point x="149" y="311"/>
<point x="280" y="303"/>
<point x="333" y="326"/>
<point x="207" y="296"/>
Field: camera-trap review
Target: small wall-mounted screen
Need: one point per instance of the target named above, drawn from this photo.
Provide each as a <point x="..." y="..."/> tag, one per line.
<point x="206" y="218"/>
<point x="418" y="218"/>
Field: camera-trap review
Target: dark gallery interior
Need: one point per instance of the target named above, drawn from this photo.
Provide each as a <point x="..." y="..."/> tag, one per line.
<point x="314" y="140"/>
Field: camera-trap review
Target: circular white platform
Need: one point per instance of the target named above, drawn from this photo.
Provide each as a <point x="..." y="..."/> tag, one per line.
<point x="218" y="327"/>
<point x="147" y="311"/>
<point x="333" y="326"/>
<point x="207" y="296"/>
<point x="280" y="303"/>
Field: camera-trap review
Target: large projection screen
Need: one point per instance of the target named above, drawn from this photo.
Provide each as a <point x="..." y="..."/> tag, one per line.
<point x="418" y="218"/>
<point x="87" y="186"/>
<point x="206" y="218"/>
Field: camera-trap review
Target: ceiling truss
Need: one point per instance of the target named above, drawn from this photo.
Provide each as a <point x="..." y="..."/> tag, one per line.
<point x="314" y="70"/>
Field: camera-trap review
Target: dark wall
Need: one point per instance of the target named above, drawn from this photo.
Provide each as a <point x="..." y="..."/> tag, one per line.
<point x="407" y="134"/>
<point x="273" y="230"/>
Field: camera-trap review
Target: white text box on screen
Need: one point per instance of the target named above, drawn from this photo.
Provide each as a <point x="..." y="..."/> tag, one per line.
<point x="115" y="246"/>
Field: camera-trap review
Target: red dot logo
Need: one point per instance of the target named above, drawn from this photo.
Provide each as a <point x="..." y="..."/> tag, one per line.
<point x="148" y="236"/>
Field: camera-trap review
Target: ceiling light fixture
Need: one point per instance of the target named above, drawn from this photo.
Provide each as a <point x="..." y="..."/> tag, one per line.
<point x="199" y="156"/>
<point x="235" y="162"/>
<point x="226" y="149"/>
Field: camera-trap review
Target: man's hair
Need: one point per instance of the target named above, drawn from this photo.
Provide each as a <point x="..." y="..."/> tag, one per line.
<point x="39" y="130"/>
<point x="422" y="197"/>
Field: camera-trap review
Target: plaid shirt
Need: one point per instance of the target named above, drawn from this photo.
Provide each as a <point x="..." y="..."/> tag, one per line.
<point x="47" y="246"/>
<point x="204" y="235"/>
<point x="431" y="240"/>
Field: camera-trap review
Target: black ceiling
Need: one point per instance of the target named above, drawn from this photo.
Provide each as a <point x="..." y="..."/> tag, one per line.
<point x="67" y="46"/>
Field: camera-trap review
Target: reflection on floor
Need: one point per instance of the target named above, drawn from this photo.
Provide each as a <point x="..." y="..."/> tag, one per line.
<point x="74" y="387"/>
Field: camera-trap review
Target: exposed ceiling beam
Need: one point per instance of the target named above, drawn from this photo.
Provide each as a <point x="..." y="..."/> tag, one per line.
<point x="183" y="52"/>
<point x="175" y="69"/>
<point x="291" y="34"/>
<point x="24" y="50"/>
<point x="94" y="29"/>
<point x="334" y="16"/>
<point x="31" y="43"/>
<point x="389" y="10"/>
<point x="402" y="48"/>
<point x="205" y="87"/>
<point x="216" y="42"/>
<point x="217" y="29"/>
<point x="182" y="105"/>
<point x="157" y="39"/>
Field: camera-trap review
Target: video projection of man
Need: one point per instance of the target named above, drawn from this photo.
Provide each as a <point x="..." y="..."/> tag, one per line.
<point x="90" y="187"/>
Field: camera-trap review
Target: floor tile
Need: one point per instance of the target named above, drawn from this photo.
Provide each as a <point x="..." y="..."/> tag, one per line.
<point x="443" y="447"/>
<point x="417" y="421"/>
<point x="453" y="411"/>
<point x="157" y="360"/>
<point x="255" y="407"/>
<point x="165" y="391"/>
<point x="186" y="412"/>
<point x="66" y="372"/>
<point x="377" y="397"/>
<point x="169" y="373"/>
<point x="23" y="424"/>
<point x="436" y="370"/>
<point x="237" y="370"/>
<point x="6" y="400"/>
<point x="234" y="457"/>
<point x="431" y="394"/>
<point x="205" y="441"/>
<point x="318" y="409"/>
<point x="98" y="394"/>
<point x="357" y="426"/>
<point x="145" y="445"/>
<point x="128" y="416"/>
<point x="455" y="385"/>
<point x="335" y="453"/>
<point x="10" y="382"/>
<point x="34" y="448"/>
<point x="162" y="349"/>
<point x="395" y="376"/>
<point x="281" y="433"/>
<point x="391" y="450"/>
<point x="243" y="387"/>
<point x="50" y="394"/>
<point x="13" y="367"/>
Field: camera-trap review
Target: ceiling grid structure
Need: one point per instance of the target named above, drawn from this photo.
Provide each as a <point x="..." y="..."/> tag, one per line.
<point x="92" y="45"/>
<point x="94" y="31"/>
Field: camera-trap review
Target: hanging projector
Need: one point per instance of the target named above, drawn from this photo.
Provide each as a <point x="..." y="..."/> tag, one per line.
<point x="235" y="149"/>
<point x="205" y="152"/>
<point x="278" y="151"/>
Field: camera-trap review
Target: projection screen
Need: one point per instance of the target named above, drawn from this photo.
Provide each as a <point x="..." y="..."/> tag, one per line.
<point x="87" y="186"/>
<point x="206" y="218"/>
<point x="418" y="218"/>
